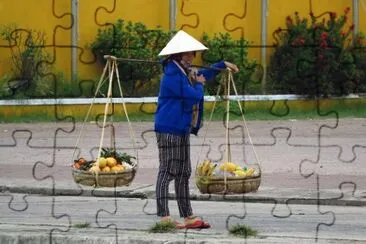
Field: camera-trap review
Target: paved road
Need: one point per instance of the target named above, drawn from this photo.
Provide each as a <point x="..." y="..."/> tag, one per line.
<point x="287" y="150"/>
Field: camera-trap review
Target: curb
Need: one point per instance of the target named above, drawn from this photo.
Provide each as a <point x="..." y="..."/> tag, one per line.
<point x="88" y="101"/>
<point x="150" y="194"/>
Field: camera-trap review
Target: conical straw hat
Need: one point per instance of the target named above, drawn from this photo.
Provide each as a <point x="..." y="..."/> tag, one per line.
<point x="182" y="42"/>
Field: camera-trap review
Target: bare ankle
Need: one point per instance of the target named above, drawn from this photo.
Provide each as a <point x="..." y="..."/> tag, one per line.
<point x="189" y="218"/>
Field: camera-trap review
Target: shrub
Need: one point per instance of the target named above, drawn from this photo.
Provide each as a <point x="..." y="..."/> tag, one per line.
<point x="315" y="57"/>
<point x="223" y="47"/>
<point x="30" y="70"/>
<point x="5" y="91"/>
<point x="132" y="41"/>
<point x="359" y="55"/>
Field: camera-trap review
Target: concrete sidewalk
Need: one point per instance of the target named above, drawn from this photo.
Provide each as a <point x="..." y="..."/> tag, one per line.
<point x="28" y="235"/>
<point x="271" y="193"/>
<point x="50" y="219"/>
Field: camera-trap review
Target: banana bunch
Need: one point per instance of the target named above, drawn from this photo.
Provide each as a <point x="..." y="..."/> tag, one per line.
<point x="228" y="167"/>
<point x="206" y="168"/>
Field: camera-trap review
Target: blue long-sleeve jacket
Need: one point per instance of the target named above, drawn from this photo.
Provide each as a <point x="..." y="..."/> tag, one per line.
<point x="177" y="99"/>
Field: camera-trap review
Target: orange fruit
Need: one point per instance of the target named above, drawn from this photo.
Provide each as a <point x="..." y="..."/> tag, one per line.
<point x="106" y="169"/>
<point x="81" y="161"/>
<point x="76" y="166"/>
<point x="111" y="162"/>
<point x="117" y="168"/>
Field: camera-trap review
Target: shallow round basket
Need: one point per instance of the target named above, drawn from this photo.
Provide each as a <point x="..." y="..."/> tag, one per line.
<point x="104" y="179"/>
<point x="234" y="185"/>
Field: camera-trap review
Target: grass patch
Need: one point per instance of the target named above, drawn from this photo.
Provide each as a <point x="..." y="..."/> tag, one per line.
<point x="249" y="116"/>
<point x="163" y="227"/>
<point x="81" y="225"/>
<point x="293" y="110"/>
<point x="243" y="231"/>
<point x="28" y="118"/>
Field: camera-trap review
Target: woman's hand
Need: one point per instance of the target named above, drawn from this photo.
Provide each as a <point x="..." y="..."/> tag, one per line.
<point x="201" y="79"/>
<point x="231" y="66"/>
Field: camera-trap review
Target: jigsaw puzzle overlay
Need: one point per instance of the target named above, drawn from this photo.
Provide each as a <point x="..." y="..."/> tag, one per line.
<point x="322" y="158"/>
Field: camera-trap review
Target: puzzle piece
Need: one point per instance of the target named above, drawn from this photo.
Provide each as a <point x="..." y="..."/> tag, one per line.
<point x="21" y="139"/>
<point x="328" y="164"/>
<point x="347" y="149"/>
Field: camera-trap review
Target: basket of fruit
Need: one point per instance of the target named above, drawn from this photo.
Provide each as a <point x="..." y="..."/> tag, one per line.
<point x="111" y="169"/>
<point x="227" y="178"/>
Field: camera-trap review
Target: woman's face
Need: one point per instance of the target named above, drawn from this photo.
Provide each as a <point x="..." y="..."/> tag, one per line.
<point x="188" y="57"/>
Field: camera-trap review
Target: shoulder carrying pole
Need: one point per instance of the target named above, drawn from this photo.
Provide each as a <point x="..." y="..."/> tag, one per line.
<point x="110" y="57"/>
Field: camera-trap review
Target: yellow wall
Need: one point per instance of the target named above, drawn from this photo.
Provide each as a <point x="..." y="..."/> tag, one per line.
<point x="239" y="17"/>
<point x="362" y="15"/>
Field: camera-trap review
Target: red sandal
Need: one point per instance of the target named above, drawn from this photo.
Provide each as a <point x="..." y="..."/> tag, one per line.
<point x="197" y="223"/>
<point x="179" y="225"/>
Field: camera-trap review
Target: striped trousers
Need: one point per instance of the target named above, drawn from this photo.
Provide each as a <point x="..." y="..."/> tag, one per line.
<point x="175" y="164"/>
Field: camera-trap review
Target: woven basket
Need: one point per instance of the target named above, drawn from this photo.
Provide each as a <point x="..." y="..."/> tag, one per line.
<point x="234" y="185"/>
<point x="104" y="179"/>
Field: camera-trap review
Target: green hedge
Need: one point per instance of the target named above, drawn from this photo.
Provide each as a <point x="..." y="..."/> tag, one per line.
<point x="316" y="57"/>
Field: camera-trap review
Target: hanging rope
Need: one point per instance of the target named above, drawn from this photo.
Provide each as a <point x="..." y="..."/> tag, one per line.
<point x="109" y="100"/>
<point x="209" y="123"/>
<point x="245" y="124"/>
<point x="131" y="131"/>
<point x="100" y="84"/>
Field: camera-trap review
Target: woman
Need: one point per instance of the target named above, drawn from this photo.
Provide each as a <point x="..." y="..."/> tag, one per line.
<point x="179" y="114"/>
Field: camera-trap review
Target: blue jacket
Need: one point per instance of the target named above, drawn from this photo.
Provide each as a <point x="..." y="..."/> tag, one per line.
<point x="178" y="97"/>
